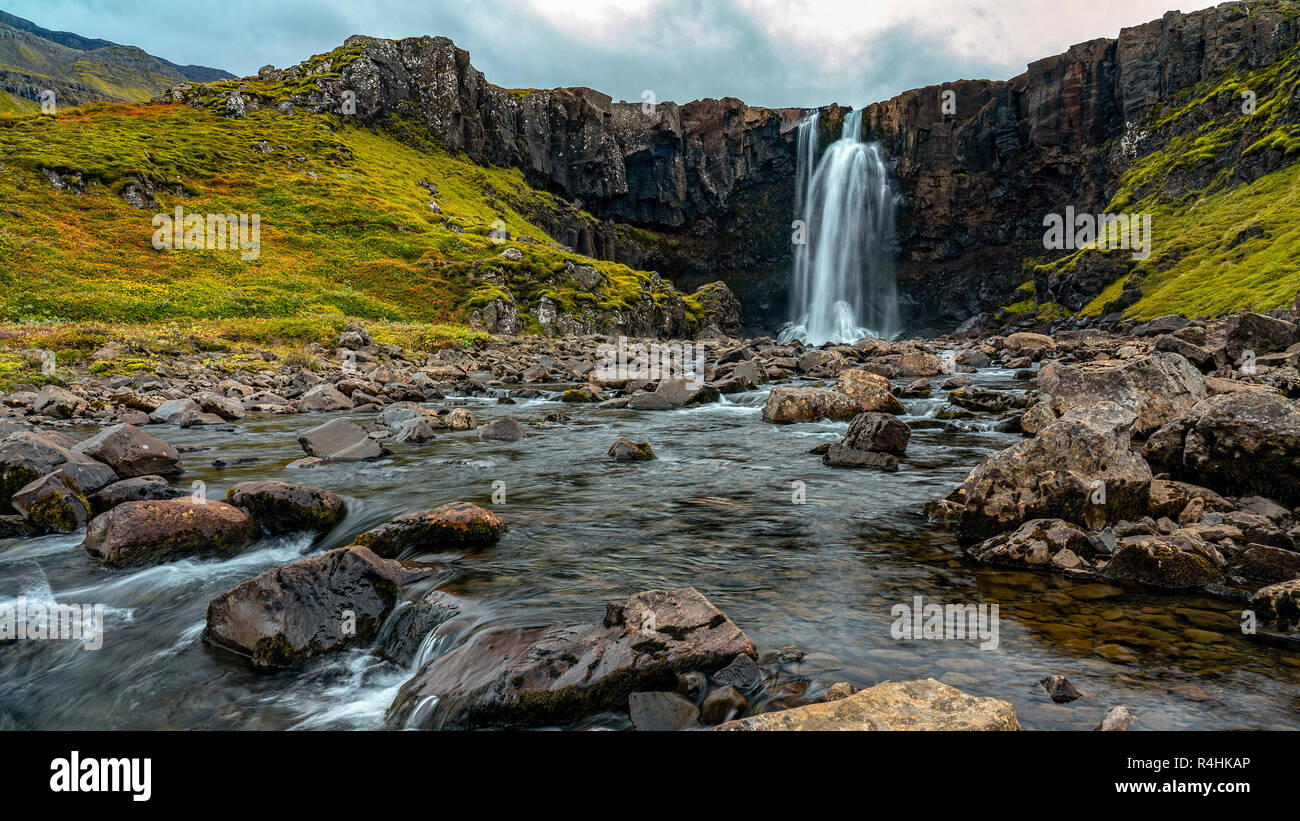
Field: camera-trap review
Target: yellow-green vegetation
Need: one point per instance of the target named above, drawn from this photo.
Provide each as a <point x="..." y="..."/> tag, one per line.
<point x="225" y="345"/>
<point x="1222" y="241"/>
<point x="346" y="227"/>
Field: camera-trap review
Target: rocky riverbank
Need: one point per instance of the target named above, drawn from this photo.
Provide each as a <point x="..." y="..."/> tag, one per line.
<point x="1158" y="457"/>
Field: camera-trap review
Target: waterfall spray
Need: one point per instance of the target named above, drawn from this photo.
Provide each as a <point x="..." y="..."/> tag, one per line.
<point x="843" y="281"/>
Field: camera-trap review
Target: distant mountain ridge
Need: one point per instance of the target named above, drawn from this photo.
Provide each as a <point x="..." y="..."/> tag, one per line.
<point x="81" y="69"/>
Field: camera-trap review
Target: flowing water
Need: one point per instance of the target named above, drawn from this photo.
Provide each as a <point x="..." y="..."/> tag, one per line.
<point x="715" y="511"/>
<point x="843" y="280"/>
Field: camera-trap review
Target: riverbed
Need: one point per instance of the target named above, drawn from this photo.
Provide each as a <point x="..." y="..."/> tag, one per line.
<point x="795" y="553"/>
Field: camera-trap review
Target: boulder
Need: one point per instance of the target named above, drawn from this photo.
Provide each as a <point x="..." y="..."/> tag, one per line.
<point x="1158" y="388"/>
<point x="1117" y="719"/>
<point x="1265" y="563"/>
<point x="556" y="675"/>
<point x="339" y="440"/>
<point x="171" y="411"/>
<point x="52" y="504"/>
<point x="878" y="432"/>
<point x="841" y="456"/>
<point x="626" y="450"/>
<point x="686" y="393"/>
<point x="136" y="533"/>
<point x="132" y="452"/>
<point x="1277" y="607"/>
<point x="722" y="704"/>
<point x="53" y="400"/>
<point x="26" y="456"/>
<point x="1078" y="468"/>
<point x="322" y="399"/>
<point x="1023" y="341"/>
<point x="871" y="391"/>
<point x="1257" y="333"/>
<point x="788" y="405"/>
<point x="308" y="608"/>
<point x="1166" y="562"/>
<point x="661" y="712"/>
<point x="135" y="489"/>
<point x="502" y="430"/>
<point x="1238" y="443"/>
<point x="454" y="526"/>
<point x="924" y="704"/>
<point x="280" y="507"/>
<point x="227" y="408"/>
<point x="1037" y="543"/>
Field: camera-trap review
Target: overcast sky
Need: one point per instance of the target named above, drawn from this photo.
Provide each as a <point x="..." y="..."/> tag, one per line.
<point x="766" y="52"/>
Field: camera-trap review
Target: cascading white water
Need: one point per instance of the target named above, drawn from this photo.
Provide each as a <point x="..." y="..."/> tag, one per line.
<point x="843" y="284"/>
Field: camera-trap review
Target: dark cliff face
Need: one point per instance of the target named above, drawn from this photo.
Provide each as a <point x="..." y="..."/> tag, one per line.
<point x="704" y="190"/>
<point x="708" y="182"/>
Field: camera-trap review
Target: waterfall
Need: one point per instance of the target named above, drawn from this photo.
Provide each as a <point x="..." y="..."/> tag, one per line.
<point x="843" y="281"/>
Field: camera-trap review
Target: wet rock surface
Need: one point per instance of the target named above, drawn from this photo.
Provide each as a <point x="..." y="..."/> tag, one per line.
<point x="557" y="674"/>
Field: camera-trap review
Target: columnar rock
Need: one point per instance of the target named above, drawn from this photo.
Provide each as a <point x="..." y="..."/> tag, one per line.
<point x="307" y="608"/>
<point x="556" y="675"/>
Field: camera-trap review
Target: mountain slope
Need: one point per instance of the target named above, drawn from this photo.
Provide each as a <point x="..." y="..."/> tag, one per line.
<point x="80" y="70"/>
<point x="353" y="222"/>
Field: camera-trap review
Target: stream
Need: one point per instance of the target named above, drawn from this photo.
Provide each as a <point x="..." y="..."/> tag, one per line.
<point x="716" y="511"/>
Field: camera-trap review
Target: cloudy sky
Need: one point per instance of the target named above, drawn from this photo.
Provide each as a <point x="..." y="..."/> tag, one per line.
<point x="766" y="52"/>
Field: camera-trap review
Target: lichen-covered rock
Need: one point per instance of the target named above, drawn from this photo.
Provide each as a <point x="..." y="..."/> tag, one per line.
<point x="1277" y="607"/>
<point x="52" y="504"/>
<point x="1079" y="468"/>
<point x="1167" y="562"/>
<point x="1266" y="563"/>
<point x="871" y="391"/>
<point x="924" y="704"/>
<point x="1239" y="443"/>
<point x="788" y="405"/>
<point x="1037" y="543"/>
<point x="280" y="507"/>
<point x="1158" y="388"/>
<point x="136" y="533"/>
<point x="26" y="456"/>
<point x="53" y="400"/>
<point x="556" y="675"/>
<point x="132" y="452"/>
<point x="307" y="608"/>
<point x="455" y="526"/>
<point x="626" y="450"/>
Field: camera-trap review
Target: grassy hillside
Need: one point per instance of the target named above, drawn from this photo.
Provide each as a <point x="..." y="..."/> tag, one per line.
<point x="346" y="229"/>
<point x="1223" y="190"/>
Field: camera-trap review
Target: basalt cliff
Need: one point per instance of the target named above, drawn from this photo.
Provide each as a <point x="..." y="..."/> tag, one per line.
<point x="703" y="190"/>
